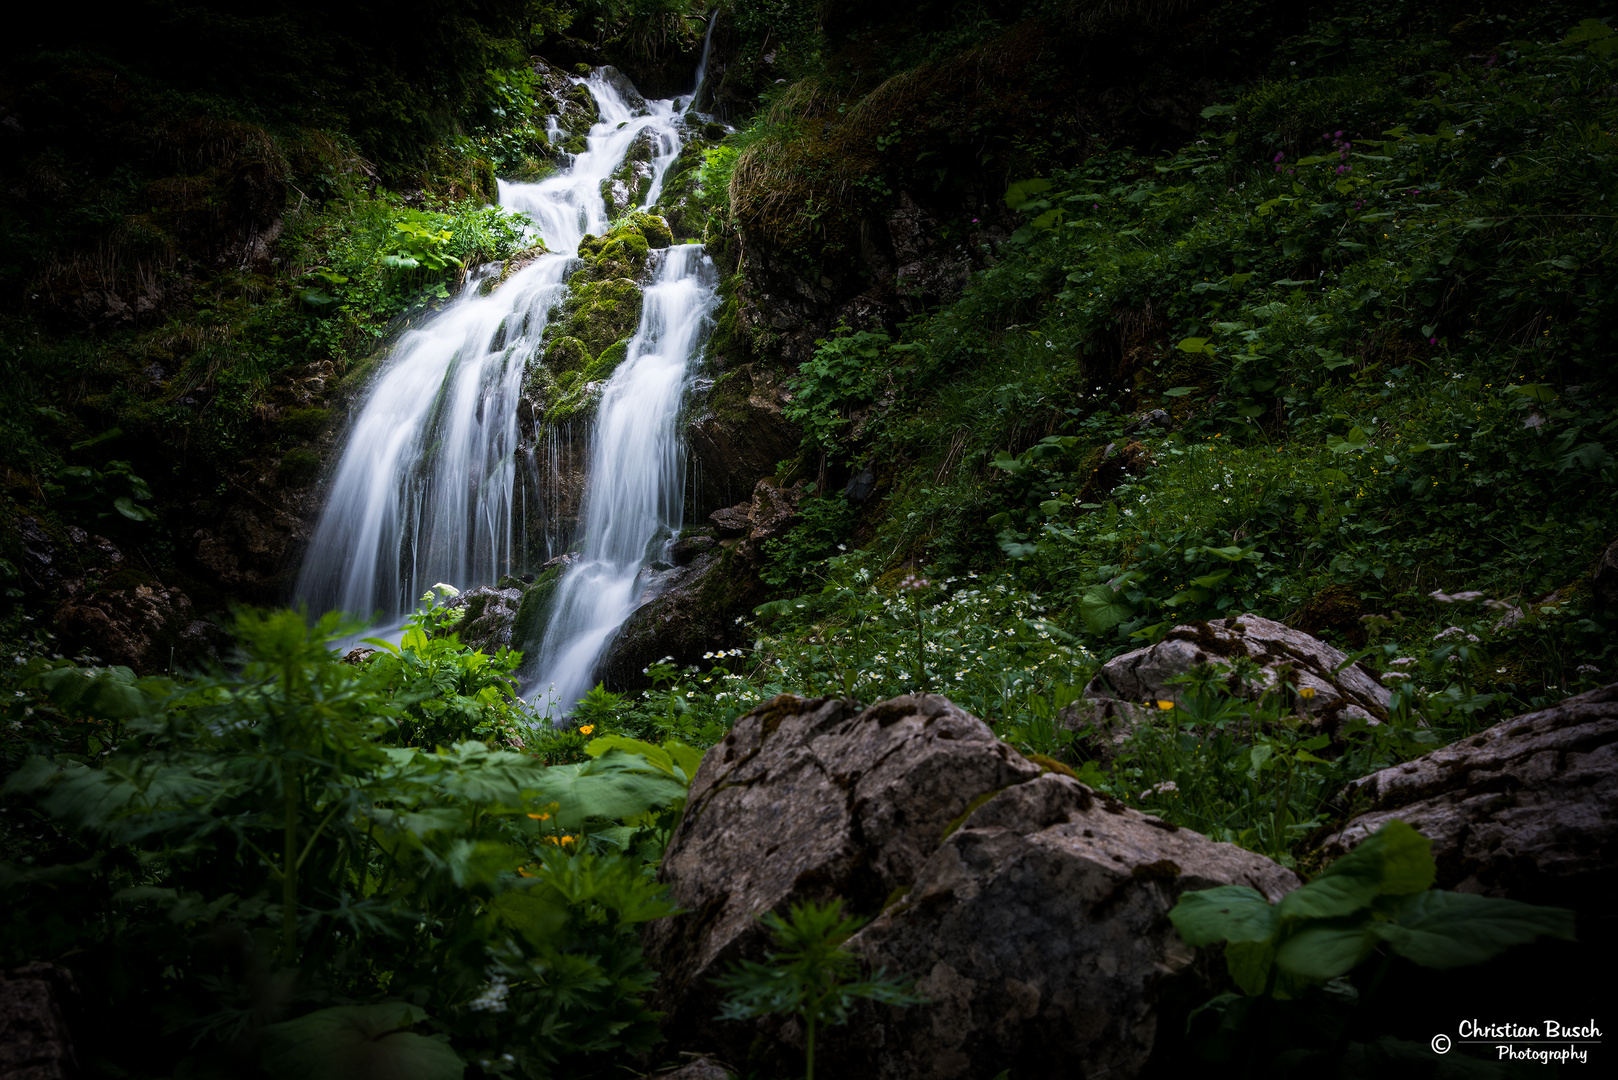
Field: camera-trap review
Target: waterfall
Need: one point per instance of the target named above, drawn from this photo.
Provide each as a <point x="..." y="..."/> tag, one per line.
<point x="424" y="489"/>
<point x="636" y="485"/>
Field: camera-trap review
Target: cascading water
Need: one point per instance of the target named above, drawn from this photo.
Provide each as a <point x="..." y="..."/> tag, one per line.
<point x="637" y="475"/>
<point x="423" y="492"/>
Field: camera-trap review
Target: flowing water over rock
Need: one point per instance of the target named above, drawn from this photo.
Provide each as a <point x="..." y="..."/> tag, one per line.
<point x="425" y="489"/>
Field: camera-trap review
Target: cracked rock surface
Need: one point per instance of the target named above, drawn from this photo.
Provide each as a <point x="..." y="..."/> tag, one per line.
<point x="1039" y="932"/>
<point x="1526" y="809"/>
<point x="1032" y="911"/>
<point x="1281" y="654"/>
<point x="809" y="800"/>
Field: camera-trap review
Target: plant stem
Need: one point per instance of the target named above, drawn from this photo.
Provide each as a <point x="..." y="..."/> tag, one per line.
<point x="289" y="864"/>
<point x="809" y="1045"/>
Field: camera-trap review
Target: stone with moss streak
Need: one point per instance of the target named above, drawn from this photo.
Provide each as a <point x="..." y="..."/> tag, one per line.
<point x="1032" y="909"/>
<point x="808" y="800"/>
<point x="1526" y="809"/>
<point x="1340" y="690"/>
<point x="1039" y="933"/>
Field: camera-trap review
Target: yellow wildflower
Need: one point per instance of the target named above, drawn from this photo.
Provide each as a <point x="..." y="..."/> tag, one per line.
<point x="1306" y="692"/>
<point x="1165" y="704"/>
<point x="586" y="729"/>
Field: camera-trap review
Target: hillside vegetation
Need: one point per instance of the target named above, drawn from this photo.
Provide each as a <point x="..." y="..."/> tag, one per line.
<point x="1305" y="312"/>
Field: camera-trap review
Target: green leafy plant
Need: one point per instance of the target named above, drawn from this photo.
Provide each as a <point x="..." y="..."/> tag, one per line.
<point x="811" y="976"/>
<point x="1378" y="896"/>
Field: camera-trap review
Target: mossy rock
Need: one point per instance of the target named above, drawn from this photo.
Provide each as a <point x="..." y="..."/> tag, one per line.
<point x="534" y="612"/>
<point x="652" y="228"/>
<point x="601" y="313"/>
<point x="298" y="467"/>
<point x="565" y="355"/>
<point x="604" y="365"/>
<point x="304" y="424"/>
<point x="577" y="402"/>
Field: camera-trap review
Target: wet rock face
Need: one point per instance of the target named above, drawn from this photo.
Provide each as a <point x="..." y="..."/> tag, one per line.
<point x="1527" y="809"/>
<point x="741" y="434"/>
<point x="489" y="614"/>
<point x="1039" y="932"/>
<point x="137" y="622"/>
<point x="691" y="607"/>
<point x="1032" y="911"/>
<point x="809" y="800"/>
<point x="1281" y="655"/>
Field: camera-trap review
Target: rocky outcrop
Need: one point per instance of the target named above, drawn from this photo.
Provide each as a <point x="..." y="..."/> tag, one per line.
<point x="1032" y="912"/>
<point x="135" y="621"/>
<point x="703" y="1068"/>
<point x="1527" y="809"/>
<point x="1318" y="680"/>
<point x="809" y="800"/>
<point x="692" y="610"/>
<point x="1604" y="581"/>
<point x="1039" y="933"/>
<point x="35" y="1041"/>
<point x="691" y="606"/>
<point x="489" y="613"/>
<point x="742" y="434"/>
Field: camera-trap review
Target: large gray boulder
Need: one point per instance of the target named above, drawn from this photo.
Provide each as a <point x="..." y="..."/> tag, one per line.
<point x="808" y="800"/>
<point x="1527" y="809"/>
<point x="1039" y="932"/>
<point x="1323" y="684"/>
<point x="1032" y="911"/>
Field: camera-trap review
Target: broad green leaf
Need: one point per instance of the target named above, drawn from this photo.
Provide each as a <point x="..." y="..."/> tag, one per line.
<point x="1208" y="581"/>
<point x="1537" y="391"/>
<point x="1023" y="190"/>
<point x="1178" y="391"/>
<point x="1227" y="913"/>
<point x="1394" y="860"/>
<point x="1588" y="30"/>
<point x="1444" y="930"/>
<point x="1102" y="609"/>
<point x="532" y="913"/>
<point x="1194" y="345"/>
<point x="1423" y="447"/>
<point x="1249" y="964"/>
<point x="351" y="1042"/>
<point x="1354" y="440"/>
<point x="133" y="510"/>
<point x="1326" y="949"/>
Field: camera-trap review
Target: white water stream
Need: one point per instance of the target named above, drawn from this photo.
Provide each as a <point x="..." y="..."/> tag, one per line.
<point x="423" y="492"/>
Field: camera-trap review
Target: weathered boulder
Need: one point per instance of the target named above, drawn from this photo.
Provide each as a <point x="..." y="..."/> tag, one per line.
<point x="488" y="615"/>
<point x="1527" y="809"/>
<point x="703" y="1068"/>
<point x="35" y="1041"/>
<point x="1039" y="934"/>
<point x="807" y="800"/>
<point x="1604" y="581"/>
<point x="1106" y="724"/>
<point x="690" y="610"/>
<point x="733" y="521"/>
<point x="774" y="510"/>
<point x="134" y="620"/>
<point x="1323" y="685"/>
<point x="742" y="433"/>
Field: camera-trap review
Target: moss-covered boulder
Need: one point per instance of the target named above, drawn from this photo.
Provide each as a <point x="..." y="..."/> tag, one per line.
<point x="562" y="355"/>
<point x="627" y="186"/>
<point x="601" y="368"/>
<point x="534" y="611"/>
<point x="600" y="313"/>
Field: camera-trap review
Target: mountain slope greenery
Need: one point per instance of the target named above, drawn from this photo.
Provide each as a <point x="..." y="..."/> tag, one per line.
<point x="1308" y="313"/>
